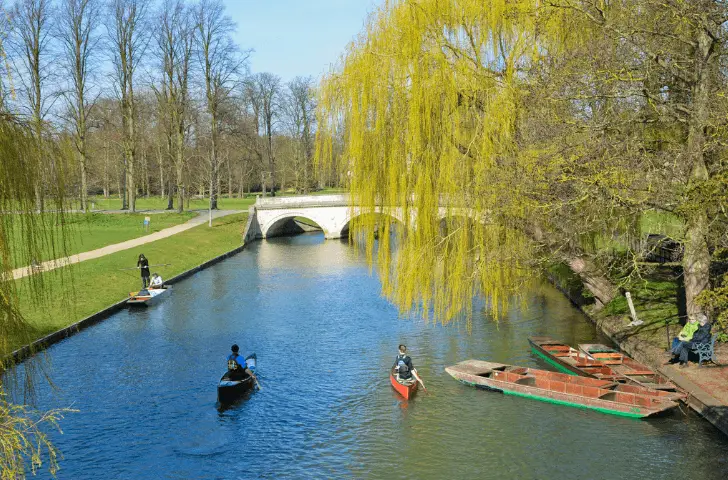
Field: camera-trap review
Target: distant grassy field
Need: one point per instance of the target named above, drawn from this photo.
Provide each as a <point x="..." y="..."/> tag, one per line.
<point x="662" y="223"/>
<point x="90" y="286"/>
<point x="160" y="203"/>
<point x="223" y="203"/>
<point x="86" y="232"/>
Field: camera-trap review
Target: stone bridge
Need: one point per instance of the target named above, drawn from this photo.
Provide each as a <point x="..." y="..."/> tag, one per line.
<point x="274" y="216"/>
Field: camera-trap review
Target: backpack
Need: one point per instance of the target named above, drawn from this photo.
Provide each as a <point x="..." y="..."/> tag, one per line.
<point x="401" y="366"/>
<point x="233" y="362"/>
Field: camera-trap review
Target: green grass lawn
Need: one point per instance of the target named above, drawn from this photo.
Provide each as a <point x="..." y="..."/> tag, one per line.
<point x="90" y="286"/>
<point x="663" y="223"/>
<point x="86" y="232"/>
<point x="655" y="299"/>
<point x="223" y="203"/>
<point x="160" y="203"/>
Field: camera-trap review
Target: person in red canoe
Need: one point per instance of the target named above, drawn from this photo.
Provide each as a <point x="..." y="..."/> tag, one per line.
<point x="404" y="367"/>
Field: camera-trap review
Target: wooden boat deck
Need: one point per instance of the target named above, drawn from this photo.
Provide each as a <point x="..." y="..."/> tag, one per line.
<point x="627" y="366"/>
<point x="598" y="394"/>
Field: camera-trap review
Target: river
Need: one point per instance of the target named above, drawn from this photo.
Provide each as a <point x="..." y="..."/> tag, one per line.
<point x="144" y="385"/>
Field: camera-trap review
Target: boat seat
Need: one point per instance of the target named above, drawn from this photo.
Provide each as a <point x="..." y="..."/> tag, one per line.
<point x="659" y="386"/>
<point x="639" y="373"/>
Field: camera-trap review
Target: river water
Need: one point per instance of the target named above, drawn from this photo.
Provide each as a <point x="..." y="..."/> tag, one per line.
<point x="144" y="382"/>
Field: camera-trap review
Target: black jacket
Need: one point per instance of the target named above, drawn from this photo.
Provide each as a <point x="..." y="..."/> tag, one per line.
<point x="702" y="335"/>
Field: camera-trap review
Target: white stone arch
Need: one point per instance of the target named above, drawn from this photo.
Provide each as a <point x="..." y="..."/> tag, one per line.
<point x="395" y="215"/>
<point x="290" y="215"/>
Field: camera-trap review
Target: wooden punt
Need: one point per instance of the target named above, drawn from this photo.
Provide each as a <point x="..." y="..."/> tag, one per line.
<point x="146" y="297"/>
<point x="563" y="389"/>
<point x="627" y="366"/>
<point x="568" y="359"/>
<point x="407" y="390"/>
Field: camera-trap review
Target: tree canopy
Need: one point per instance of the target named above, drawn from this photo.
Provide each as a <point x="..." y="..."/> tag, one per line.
<point x="548" y="128"/>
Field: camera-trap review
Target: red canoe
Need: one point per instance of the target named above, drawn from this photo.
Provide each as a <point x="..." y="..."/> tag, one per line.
<point x="407" y="391"/>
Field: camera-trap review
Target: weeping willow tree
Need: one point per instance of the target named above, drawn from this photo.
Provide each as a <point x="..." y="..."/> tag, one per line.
<point x="25" y="235"/>
<point x="436" y="104"/>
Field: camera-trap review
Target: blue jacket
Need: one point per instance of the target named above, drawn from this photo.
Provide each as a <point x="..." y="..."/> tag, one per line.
<point x="702" y="335"/>
<point x="238" y="359"/>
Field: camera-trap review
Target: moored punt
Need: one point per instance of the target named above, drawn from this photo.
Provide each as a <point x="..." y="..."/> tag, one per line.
<point x="229" y="390"/>
<point x="582" y="392"/>
<point x="147" y="296"/>
<point x="407" y="390"/>
<point x="629" y="367"/>
<point x="568" y="359"/>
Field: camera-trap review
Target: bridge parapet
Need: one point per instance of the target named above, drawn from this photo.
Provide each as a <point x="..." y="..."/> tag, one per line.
<point x="311" y="201"/>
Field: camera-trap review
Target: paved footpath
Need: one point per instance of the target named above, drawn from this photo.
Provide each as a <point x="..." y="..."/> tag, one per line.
<point x="118" y="247"/>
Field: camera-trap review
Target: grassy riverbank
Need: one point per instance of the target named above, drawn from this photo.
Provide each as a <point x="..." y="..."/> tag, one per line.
<point x="84" y="232"/>
<point x="88" y="287"/>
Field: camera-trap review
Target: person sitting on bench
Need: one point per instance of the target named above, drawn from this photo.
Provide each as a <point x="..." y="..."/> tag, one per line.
<point x="687" y="332"/>
<point x="702" y="335"/>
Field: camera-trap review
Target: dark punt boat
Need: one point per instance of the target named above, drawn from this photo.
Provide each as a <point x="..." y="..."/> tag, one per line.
<point x="563" y="389"/>
<point x="229" y="390"/>
<point x="405" y="388"/>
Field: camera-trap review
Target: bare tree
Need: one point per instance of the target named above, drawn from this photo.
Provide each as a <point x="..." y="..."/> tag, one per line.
<point x="32" y="45"/>
<point x="175" y="39"/>
<point x="5" y="71"/>
<point x="79" y="20"/>
<point x="300" y="110"/>
<point x="262" y="93"/>
<point x="129" y="36"/>
<point x="221" y="62"/>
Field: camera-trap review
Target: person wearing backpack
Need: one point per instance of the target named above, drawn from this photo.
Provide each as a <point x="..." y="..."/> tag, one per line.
<point x="404" y="367"/>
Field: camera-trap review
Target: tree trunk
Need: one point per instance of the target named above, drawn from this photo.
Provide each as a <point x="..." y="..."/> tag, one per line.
<point x="594" y="280"/>
<point x="160" y="159"/>
<point x="213" y="164"/>
<point x="230" y="178"/>
<point x="84" y="184"/>
<point x="170" y="195"/>
<point x="696" y="259"/>
<point x="180" y="152"/>
<point x="124" y="175"/>
<point x="82" y="160"/>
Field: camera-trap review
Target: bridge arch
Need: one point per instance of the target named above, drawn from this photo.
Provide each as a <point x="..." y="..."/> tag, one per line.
<point x="393" y="218"/>
<point x="286" y="224"/>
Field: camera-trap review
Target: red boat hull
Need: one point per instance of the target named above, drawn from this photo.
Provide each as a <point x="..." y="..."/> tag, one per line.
<point x="407" y="391"/>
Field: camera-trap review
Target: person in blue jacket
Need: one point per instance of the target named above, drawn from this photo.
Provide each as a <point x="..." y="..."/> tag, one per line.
<point x="237" y="368"/>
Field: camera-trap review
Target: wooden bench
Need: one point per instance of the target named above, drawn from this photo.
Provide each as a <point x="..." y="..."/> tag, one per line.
<point x="706" y="351"/>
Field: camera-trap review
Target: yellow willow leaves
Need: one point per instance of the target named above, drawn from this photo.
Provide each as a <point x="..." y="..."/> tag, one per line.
<point x="428" y="100"/>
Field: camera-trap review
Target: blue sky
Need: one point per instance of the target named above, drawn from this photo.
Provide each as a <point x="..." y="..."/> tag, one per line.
<point x="297" y="37"/>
